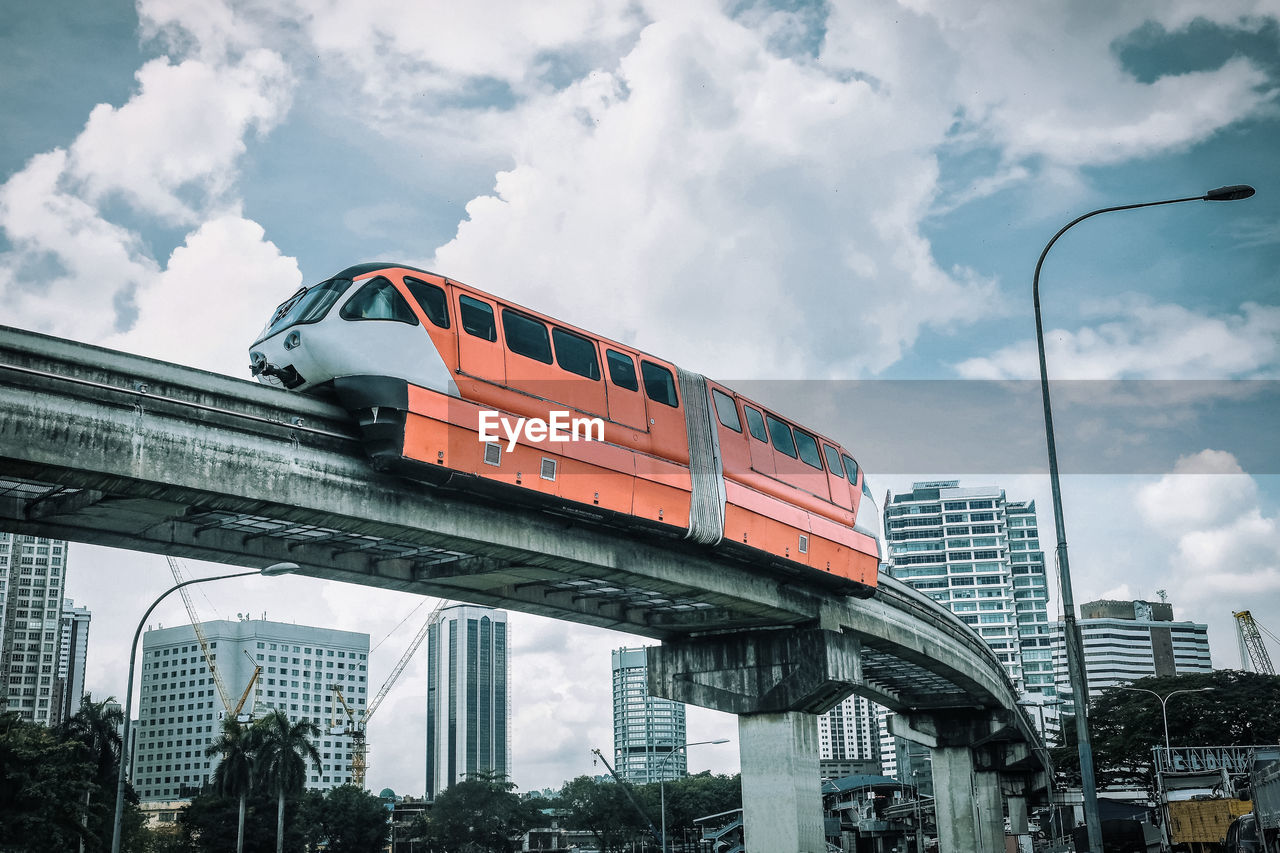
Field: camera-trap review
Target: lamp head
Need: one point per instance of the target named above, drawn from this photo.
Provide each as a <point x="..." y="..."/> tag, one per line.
<point x="275" y="569"/>
<point x="1235" y="192"/>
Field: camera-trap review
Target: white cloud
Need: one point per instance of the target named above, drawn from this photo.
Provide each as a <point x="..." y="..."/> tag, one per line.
<point x="1225" y="544"/>
<point x="181" y="135"/>
<point x="212" y="298"/>
<point x="68" y="268"/>
<point x="1142" y="339"/>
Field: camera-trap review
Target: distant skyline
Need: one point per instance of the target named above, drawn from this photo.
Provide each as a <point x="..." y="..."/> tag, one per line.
<point x="811" y="197"/>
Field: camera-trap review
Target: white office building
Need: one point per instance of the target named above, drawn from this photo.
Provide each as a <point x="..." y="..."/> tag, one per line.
<point x="32" y="581"/>
<point x="468" y="696"/>
<point x="648" y="732"/>
<point x="847" y="733"/>
<point x="1127" y="640"/>
<point x="181" y="707"/>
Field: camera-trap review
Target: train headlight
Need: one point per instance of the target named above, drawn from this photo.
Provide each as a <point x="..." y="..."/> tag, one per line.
<point x="293" y="340"/>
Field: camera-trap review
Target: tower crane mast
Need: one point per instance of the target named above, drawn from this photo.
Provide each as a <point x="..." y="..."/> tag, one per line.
<point x="356" y="726"/>
<point x="179" y="576"/>
<point x="1251" y="645"/>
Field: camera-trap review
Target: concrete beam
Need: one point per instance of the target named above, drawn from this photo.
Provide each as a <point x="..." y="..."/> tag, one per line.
<point x="757" y="672"/>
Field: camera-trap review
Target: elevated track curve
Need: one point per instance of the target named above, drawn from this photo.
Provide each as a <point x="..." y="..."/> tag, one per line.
<point x="115" y="449"/>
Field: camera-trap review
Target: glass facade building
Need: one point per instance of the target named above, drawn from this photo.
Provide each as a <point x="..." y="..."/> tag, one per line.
<point x="468" y="696"/>
<point x="646" y="729"/>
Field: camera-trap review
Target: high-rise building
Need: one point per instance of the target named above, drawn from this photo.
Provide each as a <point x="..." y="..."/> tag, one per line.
<point x="848" y="732"/>
<point x="180" y="710"/>
<point x="977" y="553"/>
<point x="468" y="696"/>
<point x="1127" y="640"/>
<point x="32" y="581"/>
<point x="646" y="730"/>
<point x="72" y="655"/>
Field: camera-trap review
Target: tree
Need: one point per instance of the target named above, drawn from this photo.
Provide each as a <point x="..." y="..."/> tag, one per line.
<point x="1237" y="710"/>
<point x="95" y="728"/>
<point x="281" y="750"/>
<point x="43" y="781"/>
<point x="481" y="814"/>
<point x="351" y="820"/>
<point x="603" y="809"/>
<point x="233" y="777"/>
<point x="690" y="798"/>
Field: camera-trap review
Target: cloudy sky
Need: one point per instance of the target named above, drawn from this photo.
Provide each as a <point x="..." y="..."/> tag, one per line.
<point x="812" y="197"/>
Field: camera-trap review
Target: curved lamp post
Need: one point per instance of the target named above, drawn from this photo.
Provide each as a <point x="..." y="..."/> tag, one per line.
<point x="1164" y="706"/>
<point x="269" y="571"/>
<point x="1071" y="631"/>
<point x="662" y="783"/>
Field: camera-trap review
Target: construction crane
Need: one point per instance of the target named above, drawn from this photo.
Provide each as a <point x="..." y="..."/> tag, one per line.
<point x="1252" y="649"/>
<point x="356" y="726"/>
<point x="180" y="577"/>
<point x="257" y="670"/>
<point x="626" y="789"/>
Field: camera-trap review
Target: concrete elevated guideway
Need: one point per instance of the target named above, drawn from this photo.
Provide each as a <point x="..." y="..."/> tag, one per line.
<point x="115" y="449"/>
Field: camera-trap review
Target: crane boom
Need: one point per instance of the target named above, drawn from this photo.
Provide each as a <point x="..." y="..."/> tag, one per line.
<point x="179" y="577"/>
<point x="1251" y="645"/>
<point x="626" y="789"/>
<point x="356" y="728"/>
<point x="257" y="670"/>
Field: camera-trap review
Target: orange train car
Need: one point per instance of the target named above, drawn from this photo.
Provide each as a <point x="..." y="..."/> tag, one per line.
<point x="457" y="387"/>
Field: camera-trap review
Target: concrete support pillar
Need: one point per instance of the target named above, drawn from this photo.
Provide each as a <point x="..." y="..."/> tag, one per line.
<point x="781" y="790"/>
<point x="988" y="807"/>
<point x="953" y="799"/>
<point x="1018" y="823"/>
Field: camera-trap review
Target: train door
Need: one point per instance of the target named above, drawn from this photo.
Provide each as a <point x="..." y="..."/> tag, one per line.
<point x="735" y="455"/>
<point x="625" y="400"/>
<point x="761" y="452"/>
<point x="480" y="354"/>
<point x="836" y="482"/>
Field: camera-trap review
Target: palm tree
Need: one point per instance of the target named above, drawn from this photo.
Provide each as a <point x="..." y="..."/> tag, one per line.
<point x="96" y="727"/>
<point x="282" y="750"/>
<point x="233" y="776"/>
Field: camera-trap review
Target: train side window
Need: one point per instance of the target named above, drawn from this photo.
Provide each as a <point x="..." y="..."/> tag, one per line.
<point x="755" y="423"/>
<point x="808" y="447"/>
<point x="659" y="384"/>
<point x="850" y="470"/>
<point x="575" y="353"/>
<point x="526" y="336"/>
<point x="833" y="460"/>
<point x="781" y="435"/>
<point x="477" y="318"/>
<point x="431" y="299"/>
<point x="378" y="299"/>
<point x="726" y="410"/>
<point x="622" y="370"/>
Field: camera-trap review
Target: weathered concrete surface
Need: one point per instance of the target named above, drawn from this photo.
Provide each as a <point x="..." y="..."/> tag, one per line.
<point x="781" y="792"/>
<point x="757" y="672"/>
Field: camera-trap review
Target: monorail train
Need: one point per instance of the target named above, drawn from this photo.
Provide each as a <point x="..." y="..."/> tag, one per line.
<point x="455" y="386"/>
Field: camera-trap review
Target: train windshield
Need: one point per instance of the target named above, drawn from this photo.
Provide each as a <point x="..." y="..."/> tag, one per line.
<point x="306" y="306"/>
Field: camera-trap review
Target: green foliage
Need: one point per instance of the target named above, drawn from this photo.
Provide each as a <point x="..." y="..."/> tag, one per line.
<point x="690" y="798"/>
<point x="481" y="814"/>
<point x="603" y="809"/>
<point x="353" y="821"/>
<point x="1238" y="710"/>
<point x="58" y="786"/>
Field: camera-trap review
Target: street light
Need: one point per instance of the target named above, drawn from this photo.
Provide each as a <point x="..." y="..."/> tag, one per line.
<point x="1071" y="631"/>
<point x="269" y="571"/>
<point x="1164" y="706"/>
<point x="662" y="782"/>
